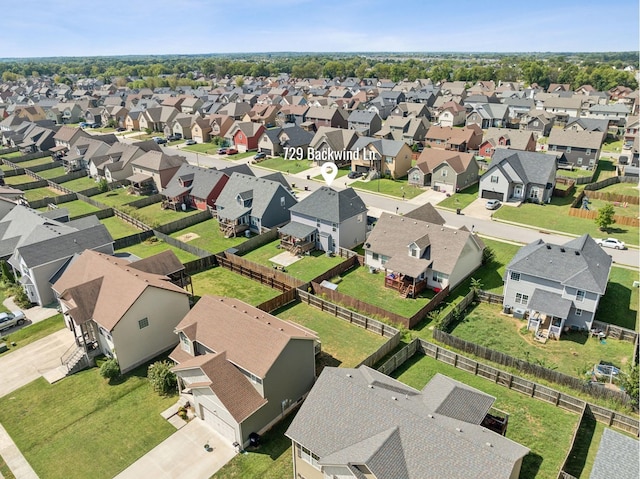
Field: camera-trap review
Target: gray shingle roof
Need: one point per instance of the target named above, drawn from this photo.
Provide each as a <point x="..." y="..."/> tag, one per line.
<point x="331" y="205"/>
<point x="550" y="303"/>
<point x="204" y="180"/>
<point x="354" y="415"/>
<point x="530" y="167"/>
<point x="384" y="147"/>
<point x="617" y="457"/>
<point x="297" y="230"/>
<point x="580" y="263"/>
<point x="578" y="139"/>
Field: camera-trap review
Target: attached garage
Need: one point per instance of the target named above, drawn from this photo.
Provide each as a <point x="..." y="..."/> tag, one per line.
<point x="266" y="151"/>
<point x="493" y="195"/>
<point x="224" y="429"/>
<point x="443" y="187"/>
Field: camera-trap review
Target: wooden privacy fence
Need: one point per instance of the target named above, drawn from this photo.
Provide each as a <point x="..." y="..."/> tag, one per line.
<point x="185" y="222"/>
<point x="445" y="321"/>
<point x="56" y="200"/>
<point x="6" y="151"/>
<point x="132" y="221"/>
<point x="268" y="276"/>
<point x="256" y="241"/>
<point x="616" y="332"/>
<point x="508" y="380"/>
<point x="349" y="263"/>
<point x="430" y="306"/>
<point x="613" y="197"/>
<point x="199" y="252"/>
<point x="563" y="474"/>
<point x="200" y="264"/>
<point x="591" y="214"/>
<point x="529" y="368"/>
<point x="279" y="301"/>
<point x="348" y="315"/>
<point x="491" y="298"/>
<point x="598" y="185"/>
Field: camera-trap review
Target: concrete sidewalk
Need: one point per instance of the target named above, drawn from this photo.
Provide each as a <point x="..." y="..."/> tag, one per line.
<point x="14" y="458"/>
<point x="183" y="456"/>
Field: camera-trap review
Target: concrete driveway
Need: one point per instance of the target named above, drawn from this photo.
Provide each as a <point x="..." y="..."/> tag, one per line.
<point x="23" y="365"/>
<point x="182" y="455"/>
<point x="478" y="209"/>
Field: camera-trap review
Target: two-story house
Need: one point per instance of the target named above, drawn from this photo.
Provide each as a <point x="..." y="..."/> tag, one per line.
<point x="241" y="368"/>
<point x="194" y="187"/>
<point x="580" y="148"/>
<point x="458" y="139"/>
<point x="557" y="286"/>
<point x="386" y="157"/>
<point x="367" y="123"/>
<point x="444" y="170"/>
<point x="325" y="220"/>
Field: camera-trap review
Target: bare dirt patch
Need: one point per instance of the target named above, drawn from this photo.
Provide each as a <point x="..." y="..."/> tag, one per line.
<point x="188" y="237"/>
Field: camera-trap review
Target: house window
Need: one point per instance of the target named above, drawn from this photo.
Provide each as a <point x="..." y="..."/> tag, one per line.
<point x="535" y="193"/>
<point x="282" y="203"/>
<point x="579" y="161"/>
<point x="375" y="256"/>
<point x="568" y="149"/>
<point x="308" y="456"/>
<point x="553" y="147"/>
<point x="515" y="276"/>
<point x="414" y="252"/>
<point x="360" y="218"/>
<point x="580" y="295"/>
<point x="317" y="223"/>
<point x="438" y="277"/>
<point x="384" y="259"/>
<point x="588" y="152"/>
<point x="536" y="123"/>
<point x="494" y="179"/>
<point x="522" y="298"/>
<point x="444" y="173"/>
<point x="578" y="312"/>
<point x="334" y="227"/>
<point x="143" y="323"/>
<point x="592" y="162"/>
<point x="105" y="333"/>
<point x="185" y="344"/>
<point x="415" y="177"/>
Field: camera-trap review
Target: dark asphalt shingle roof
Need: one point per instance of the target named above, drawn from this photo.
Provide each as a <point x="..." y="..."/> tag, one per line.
<point x="550" y="303"/>
<point x="204" y="180"/>
<point x="580" y="263"/>
<point x="617" y="457"/>
<point x="330" y="205"/>
<point x="297" y="230"/>
<point x="530" y="167"/>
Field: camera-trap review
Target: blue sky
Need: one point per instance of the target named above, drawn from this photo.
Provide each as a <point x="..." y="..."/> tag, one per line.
<point x="41" y="28"/>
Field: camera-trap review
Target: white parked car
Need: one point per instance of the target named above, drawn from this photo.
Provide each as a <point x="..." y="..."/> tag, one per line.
<point x="611" y="243"/>
<point x="9" y="320"/>
<point x="493" y="204"/>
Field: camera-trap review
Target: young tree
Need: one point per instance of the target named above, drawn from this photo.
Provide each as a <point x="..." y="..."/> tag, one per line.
<point x="162" y="378"/>
<point x="605" y="217"/>
<point x="7" y="275"/>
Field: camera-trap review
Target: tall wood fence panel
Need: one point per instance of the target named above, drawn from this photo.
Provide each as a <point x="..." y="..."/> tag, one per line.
<point x="338" y="269"/>
<point x="44" y="167"/>
<point x="613" y="197"/>
<point x="590" y="214"/>
<point x="401" y="357"/>
<point x="279" y="301"/>
<point x="56" y="200"/>
<point x="200" y="264"/>
<point x="529" y="368"/>
<point x="430" y="306"/>
<point x="345" y="314"/>
<point x="530" y="388"/>
<point x="6" y="151"/>
<point x="199" y="252"/>
<point x="257" y="241"/>
<point x="616" y="332"/>
<point x="14" y="172"/>
<point x="270" y="277"/>
<point x="146" y="201"/>
<point x="563" y="474"/>
<point x="598" y="185"/>
<point x="382" y="351"/>
<point x="185" y="222"/>
<point x="131" y="240"/>
<point x="31" y="185"/>
<point x="446" y="321"/>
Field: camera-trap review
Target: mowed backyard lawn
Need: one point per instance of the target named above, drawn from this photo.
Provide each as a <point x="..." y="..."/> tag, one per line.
<point x="37" y="162"/>
<point x="41" y="193"/>
<point x="83" y="426"/>
<point x="543" y="428"/>
<point x="222" y="282"/>
<point x="387" y="186"/>
<point x="343" y="344"/>
<point x="80" y="184"/>
<point x="574" y="354"/>
<point x="207" y="236"/>
<point x="119" y="228"/>
<point x="619" y="305"/>
<point x="154" y="246"/>
<point x="52" y="173"/>
<point x="286" y="166"/>
<point x="76" y="208"/>
<point x="18" y="180"/>
<point x="116" y="197"/>
<point x="359" y="283"/>
<point x="305" y="268"/>
<point x="153" y="215"/>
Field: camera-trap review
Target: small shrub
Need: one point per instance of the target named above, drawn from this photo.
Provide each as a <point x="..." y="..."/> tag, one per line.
<point x="103" y="186"/>
<point x="7" y="274"/>
<point x="162" y="378"/>
<point x="110" y="369"/>
<point x="20" y="296"/>
<point x="488" y="256"/>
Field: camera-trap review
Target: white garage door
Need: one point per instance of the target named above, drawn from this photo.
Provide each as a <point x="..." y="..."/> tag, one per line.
<point x="444" y="187"/>
<point x="218" y="424"/>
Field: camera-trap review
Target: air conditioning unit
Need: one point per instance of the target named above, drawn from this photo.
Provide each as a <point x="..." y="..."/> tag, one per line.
<point x="519" y="313"/>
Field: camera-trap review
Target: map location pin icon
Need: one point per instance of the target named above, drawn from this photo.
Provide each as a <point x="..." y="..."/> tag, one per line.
<point x="329" y="172"/>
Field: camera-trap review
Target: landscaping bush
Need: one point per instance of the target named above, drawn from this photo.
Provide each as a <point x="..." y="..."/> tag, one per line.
<point x="110" y="369"/>
<point x="20" y="296"/>
<point x="7" y="275"/>
<point x="488" y="256"/>
<point x="162" y="379"/>
<point x="103" y="185"/>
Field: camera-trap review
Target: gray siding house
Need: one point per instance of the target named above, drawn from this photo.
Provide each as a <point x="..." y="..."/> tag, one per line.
<point x="365" y="122"/>
<point x="326" y="220"/>
<point x="519" y="176"/>
<point x="580" y="148"/>
<point x="241" y="368"/>
<point x="360" y="423"/>
<point x="250" y="203"/>
<point x="444" y="170"/>
<point x="558" y="286"/>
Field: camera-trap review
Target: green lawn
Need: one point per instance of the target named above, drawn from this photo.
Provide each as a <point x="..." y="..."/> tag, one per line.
<point x="207" y="236"/>
<point x="40" y="193"/>
<point x="33" y="332"/>
<point x="4" y="167"/>
<point x="575" y="173"/>
<point x="18" y="180"/>
<point x="103" y="427"/>
<point x="222" y="282"/>
<point x="36" y="162"/>
<point x="361" y="284"/>
<point x="541" y="427"/>
<point x="205" y="148"/>
<point x="272" y="460"/>
<point x="606" y="169"/>
<point x="630" y="210"/>
<point x="555" y="216"/>
<point x="76" y="208"/>
<point x="149" y="248"/>
<point x="630" y="189"/>
<point x="619" y="305"/>
<point x="115" y="198"/>
<point x="119" y="228"/>
<point x="343" y="344"/>
<point x="286" y="166"/>
<point x="52" y="173"/>
<point x="240" y="156"/>
<point x="585" y="448"/>
<point x="574" y="354"/>
<point x="398" y="188"/>
<point x="306" y="269"/>
<point x="80" y="184"/>
<point x="12" y="156"/>
<point x="462" y="199"/>
<point x="153" y="215"/>
<point x="612" y="146"/>
<point x="342" y="172"/>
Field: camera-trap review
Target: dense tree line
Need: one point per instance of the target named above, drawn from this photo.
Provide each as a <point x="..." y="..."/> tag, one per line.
<point x="601" y="70"/>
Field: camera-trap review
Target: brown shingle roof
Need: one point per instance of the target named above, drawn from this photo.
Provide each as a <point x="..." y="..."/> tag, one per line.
<point x="252" y="338"/>
<point x="103" y="287"/>
<point x="433" y="157"/>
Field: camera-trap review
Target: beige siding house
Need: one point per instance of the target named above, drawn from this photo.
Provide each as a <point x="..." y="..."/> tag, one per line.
<point x="120" y="309"/>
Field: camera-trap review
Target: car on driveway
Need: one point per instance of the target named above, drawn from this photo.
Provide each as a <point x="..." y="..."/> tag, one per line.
<point x="611" y="243"/>
<point x="232" y="151"/>
<point x="223" y="151"/>
<point x="9" y="320"/>
<point x="354" y="174"/>
<point x="159" y="140"/>
<point x="260" y="155"/>
<point x="190" y="142"/>
<point x="493" y="204"/>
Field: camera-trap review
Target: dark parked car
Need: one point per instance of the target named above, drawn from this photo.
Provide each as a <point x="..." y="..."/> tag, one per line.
<point x="159" y="140"/>
<point x="122" y="128"/>
<point x="355" y="174"/>
<point x="174" y="137"/>
<point x="260" y="156"/>
<point x="223" y="151"/>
